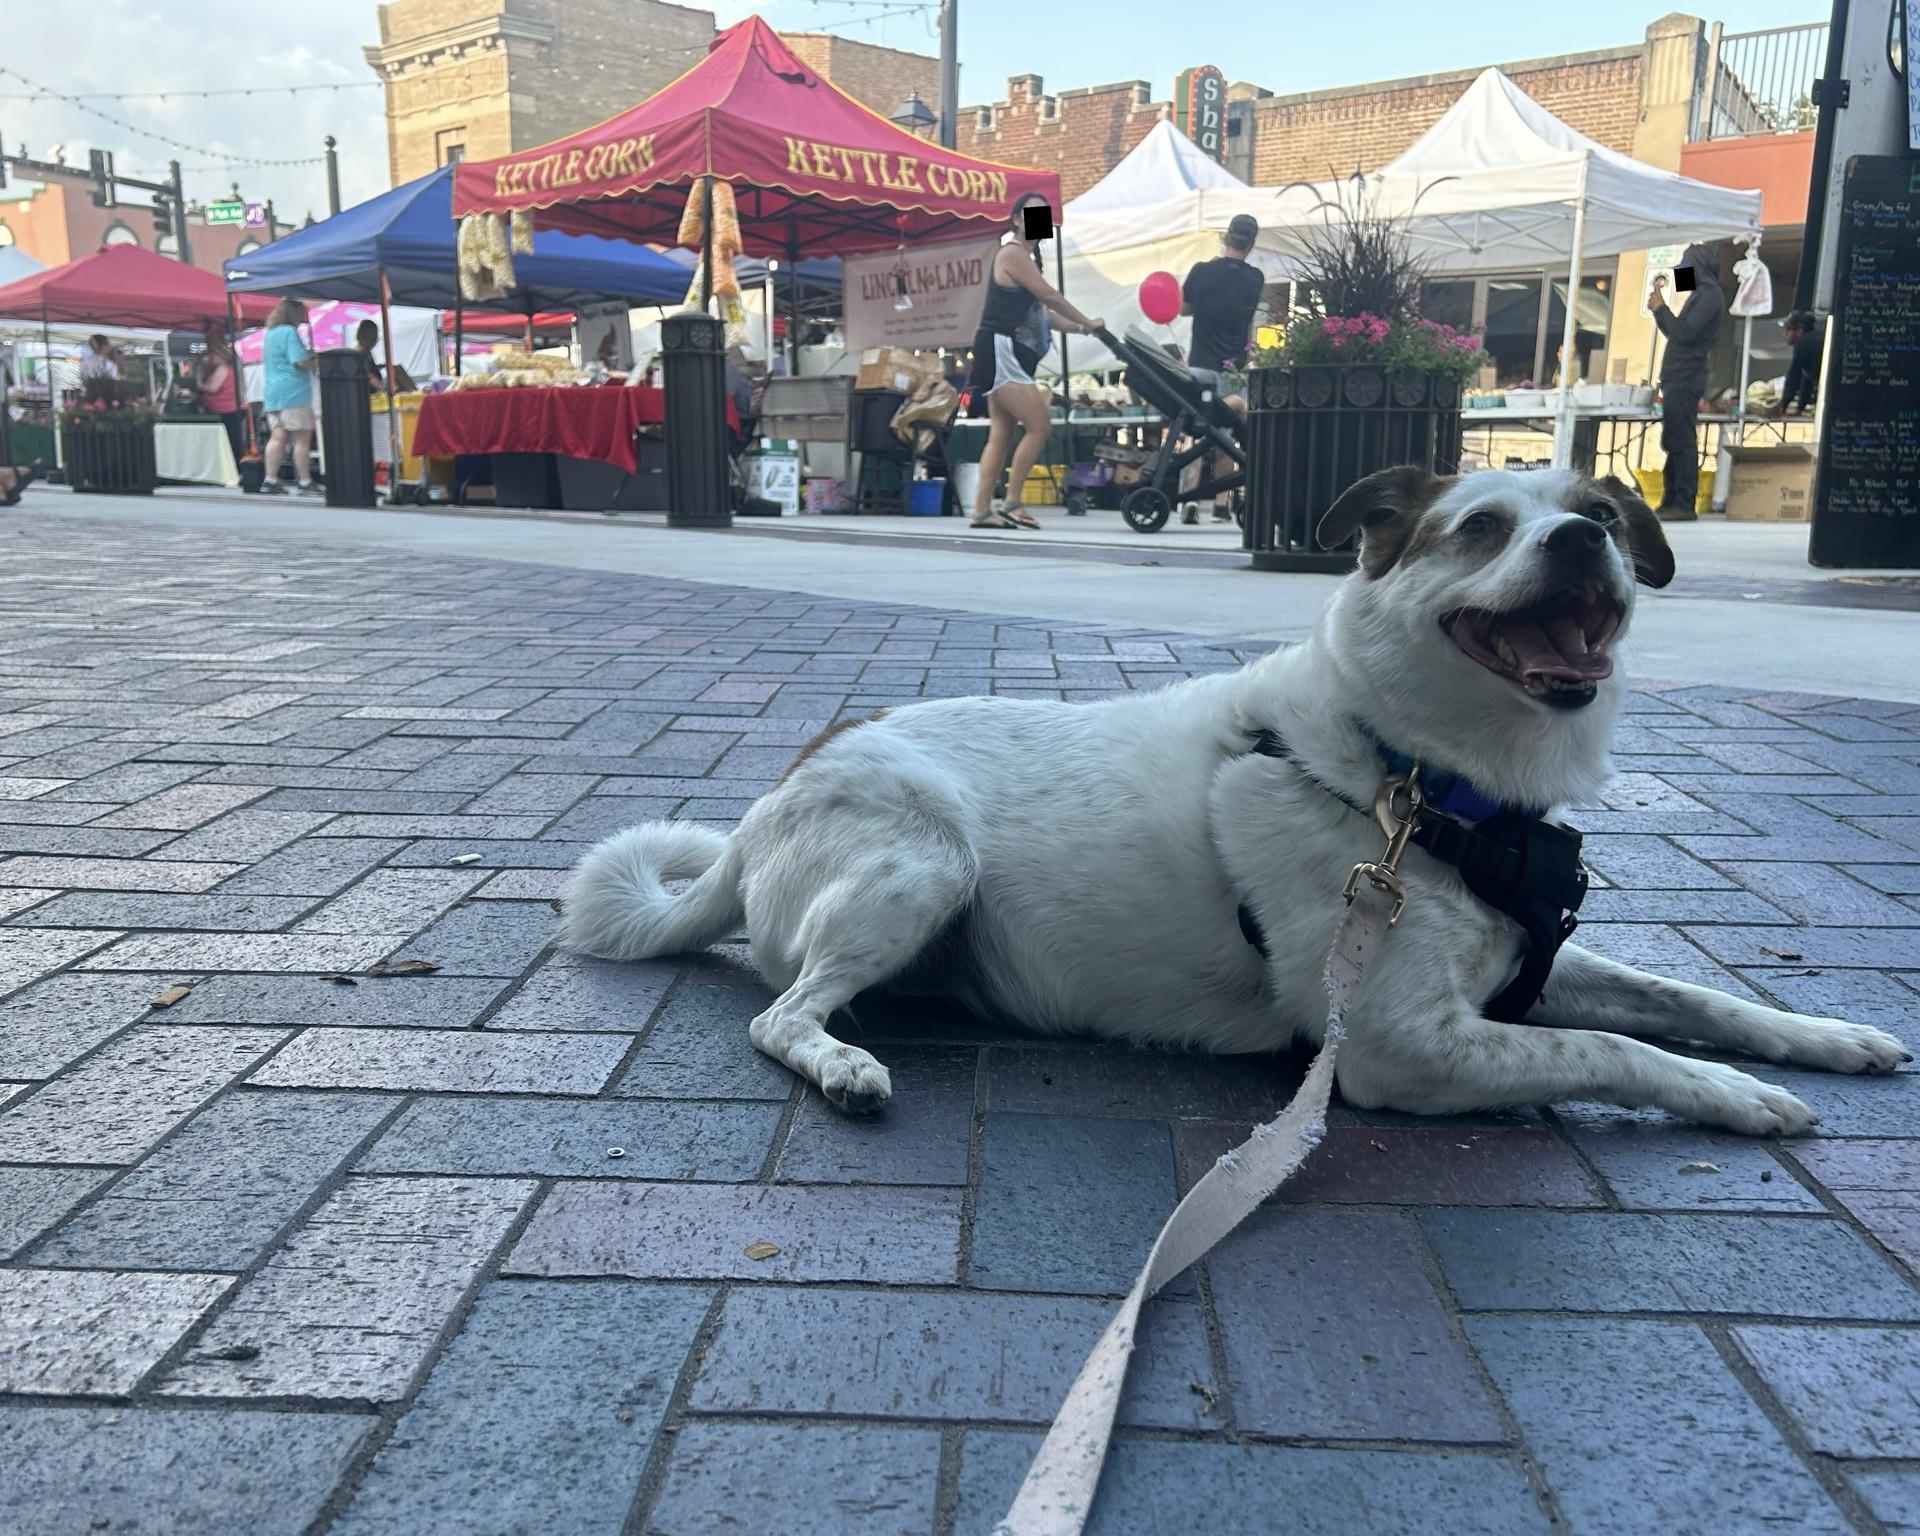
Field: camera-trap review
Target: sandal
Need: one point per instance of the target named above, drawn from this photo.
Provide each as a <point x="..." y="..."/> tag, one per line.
<point x="1017" y="514"/>
<point x="22" y="478"/>
<point x="993" y="520"/>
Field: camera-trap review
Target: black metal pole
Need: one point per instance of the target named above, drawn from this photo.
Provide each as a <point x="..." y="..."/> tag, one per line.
<point x="333" y="175"/>
<point x="46" y="344"/>
<point x="1060" y="282"/>
<point x="459" y="318"/>
<point x="706" y="245"/>
<point x="793" y="299"/>
<point x="1811" y="238"/>
<point x="238" y="371"/>
<point x="793" y="308"/>
<point x="178" y="193"/>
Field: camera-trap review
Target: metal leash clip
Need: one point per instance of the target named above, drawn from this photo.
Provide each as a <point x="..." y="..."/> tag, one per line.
<point x="1383" y="873"/>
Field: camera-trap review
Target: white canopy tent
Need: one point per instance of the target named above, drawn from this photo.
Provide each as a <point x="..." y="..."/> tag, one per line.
<point x="1500" y="183"/>
<point x="1145" y="215"/>
<point x="16" y="264"/>
<point x="28" y="342"/>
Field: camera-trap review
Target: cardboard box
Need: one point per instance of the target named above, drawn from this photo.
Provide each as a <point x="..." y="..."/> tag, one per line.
<point x="1770" y="484"/>
<point x="893" y="368"/>
<point x="773" y="476"/>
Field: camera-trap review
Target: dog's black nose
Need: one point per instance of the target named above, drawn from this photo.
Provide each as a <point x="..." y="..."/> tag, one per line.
<point x="1573" y="537"/>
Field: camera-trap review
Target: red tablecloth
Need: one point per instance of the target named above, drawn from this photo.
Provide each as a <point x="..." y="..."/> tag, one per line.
<point x="583" y="422"/>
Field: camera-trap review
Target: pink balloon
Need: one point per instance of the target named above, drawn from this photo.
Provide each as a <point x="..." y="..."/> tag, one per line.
<point x="1160" y="297"/>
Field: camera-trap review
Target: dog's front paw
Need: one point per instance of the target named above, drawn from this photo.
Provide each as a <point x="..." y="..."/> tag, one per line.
<point x="854" y="1080"/>
<point x="1833" y="1045"/>
<point x="1728" y="1098"/>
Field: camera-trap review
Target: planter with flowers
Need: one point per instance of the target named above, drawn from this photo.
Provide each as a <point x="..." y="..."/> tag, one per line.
<point x="1361" y="382"/>
<point x="106" y="443"/>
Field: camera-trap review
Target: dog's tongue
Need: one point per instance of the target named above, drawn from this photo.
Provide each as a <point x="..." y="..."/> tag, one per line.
<point x="1554" y="649"/>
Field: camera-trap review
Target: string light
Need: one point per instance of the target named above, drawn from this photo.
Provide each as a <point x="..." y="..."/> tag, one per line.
<point x="121" y="123"/>
<point x="82" y="97"/>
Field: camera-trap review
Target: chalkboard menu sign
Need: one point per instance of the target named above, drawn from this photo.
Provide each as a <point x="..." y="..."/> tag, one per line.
<point x="1866" y="503"/>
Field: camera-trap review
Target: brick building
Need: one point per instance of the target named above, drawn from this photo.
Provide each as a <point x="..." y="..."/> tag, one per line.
<point x="471" y="79"/>
<point x="1274" y="139"/>
<point x="56" y="222"/>
<point x="1082" y="133"/>
<point x="1318" y="134"/>
<point x="877" y="77"/>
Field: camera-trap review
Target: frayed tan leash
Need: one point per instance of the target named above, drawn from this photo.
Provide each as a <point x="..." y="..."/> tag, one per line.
<point x="1057" y="1496"/>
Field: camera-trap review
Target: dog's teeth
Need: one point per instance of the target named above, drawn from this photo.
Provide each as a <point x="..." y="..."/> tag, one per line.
<point x="1505" y="651"/>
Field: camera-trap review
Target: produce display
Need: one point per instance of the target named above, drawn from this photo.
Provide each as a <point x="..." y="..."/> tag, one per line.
<point x="515" y="369"/>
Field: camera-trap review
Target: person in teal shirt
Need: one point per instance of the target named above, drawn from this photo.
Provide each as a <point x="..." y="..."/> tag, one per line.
<point x="287" y="362"/>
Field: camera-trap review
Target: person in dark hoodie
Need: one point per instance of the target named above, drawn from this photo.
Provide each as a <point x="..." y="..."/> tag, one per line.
<point x="1690" y="333"/>
<point x="1803" y="369"/>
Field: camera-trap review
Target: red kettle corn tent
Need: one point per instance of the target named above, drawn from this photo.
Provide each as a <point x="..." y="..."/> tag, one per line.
<point x="811" y="168"/>
<point x="127" y="285"/>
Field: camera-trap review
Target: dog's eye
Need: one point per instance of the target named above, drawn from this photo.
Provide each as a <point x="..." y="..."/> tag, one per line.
<point x="1475" y="524"/>
<point x="1601" y="512"/>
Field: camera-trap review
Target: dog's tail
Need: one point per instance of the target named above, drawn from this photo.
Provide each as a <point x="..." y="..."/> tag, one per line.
<point x="616" y="908"/>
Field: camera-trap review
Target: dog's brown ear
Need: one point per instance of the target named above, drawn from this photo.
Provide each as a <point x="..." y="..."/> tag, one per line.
<point x="1383" y="509"/>
<point x="1642" y="539"/>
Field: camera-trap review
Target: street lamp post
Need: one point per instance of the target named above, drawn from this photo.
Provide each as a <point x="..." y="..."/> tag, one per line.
<point x="949" y="72"/>
<point x="914" y="115"/>
<point x="333" y="175"/>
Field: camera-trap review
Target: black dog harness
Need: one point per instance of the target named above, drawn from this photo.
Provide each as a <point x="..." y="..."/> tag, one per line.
<point x="1514" y="860"/>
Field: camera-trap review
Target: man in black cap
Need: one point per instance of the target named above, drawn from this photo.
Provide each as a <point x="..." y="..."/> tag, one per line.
<point x="1803" y="368"/>
<point x="1683" y="373"/>
<point x="1222" y="295"/>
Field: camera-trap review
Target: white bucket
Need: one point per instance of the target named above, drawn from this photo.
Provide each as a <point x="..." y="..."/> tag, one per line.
<point x="966" y="480"/>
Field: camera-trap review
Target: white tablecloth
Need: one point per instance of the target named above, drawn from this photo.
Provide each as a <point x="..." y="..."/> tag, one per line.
<point x="195" y="451"/>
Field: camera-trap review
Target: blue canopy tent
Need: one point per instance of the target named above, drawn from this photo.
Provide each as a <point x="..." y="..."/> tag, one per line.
<point x="399" y="248"/>
<point x="408" y="234"/>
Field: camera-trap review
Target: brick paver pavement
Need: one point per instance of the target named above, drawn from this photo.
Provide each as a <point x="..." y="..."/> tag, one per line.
<point x="469" y="1251"/>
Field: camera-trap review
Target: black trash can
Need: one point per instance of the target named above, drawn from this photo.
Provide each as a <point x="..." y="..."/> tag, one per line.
<point x="693" y="359"/>
<point x="346" y="427"/>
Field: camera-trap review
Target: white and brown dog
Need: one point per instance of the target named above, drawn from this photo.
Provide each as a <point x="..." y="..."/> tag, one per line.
<point x="1079" y="868"/>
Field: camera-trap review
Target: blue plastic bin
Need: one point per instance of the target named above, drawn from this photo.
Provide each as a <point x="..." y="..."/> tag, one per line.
<point x="924" y="497"/>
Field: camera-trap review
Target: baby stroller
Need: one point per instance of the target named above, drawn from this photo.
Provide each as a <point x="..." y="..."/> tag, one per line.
<point x="1190" y="400"/>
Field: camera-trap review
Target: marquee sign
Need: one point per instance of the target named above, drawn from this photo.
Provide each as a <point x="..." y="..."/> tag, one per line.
<point x="1200" y="108"/>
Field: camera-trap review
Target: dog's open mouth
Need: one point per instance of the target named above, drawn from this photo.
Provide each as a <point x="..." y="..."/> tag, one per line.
<point x="1556" y="649"/>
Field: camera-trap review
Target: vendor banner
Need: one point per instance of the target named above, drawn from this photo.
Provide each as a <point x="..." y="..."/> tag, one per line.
<point x="815" y="172"/>
<point x="925" y="296"/>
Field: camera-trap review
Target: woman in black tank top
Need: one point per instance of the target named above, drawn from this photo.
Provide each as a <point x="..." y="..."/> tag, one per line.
<point x="1014" y="335"/>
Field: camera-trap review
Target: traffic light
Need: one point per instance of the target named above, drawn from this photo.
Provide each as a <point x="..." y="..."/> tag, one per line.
<point x="162" y="214"/>
<point x="100" y="166"/>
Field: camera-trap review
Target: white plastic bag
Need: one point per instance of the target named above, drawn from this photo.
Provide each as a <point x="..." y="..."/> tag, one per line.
<point x="1754" y="295"/>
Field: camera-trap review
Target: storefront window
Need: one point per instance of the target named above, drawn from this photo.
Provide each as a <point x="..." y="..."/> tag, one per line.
<point x="1448" y="301"/>
<point x="1591" y="321"/>
<point x="1513" y="328"/>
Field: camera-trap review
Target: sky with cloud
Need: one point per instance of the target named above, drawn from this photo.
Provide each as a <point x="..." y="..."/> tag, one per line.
<point x="153" y="46"/>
